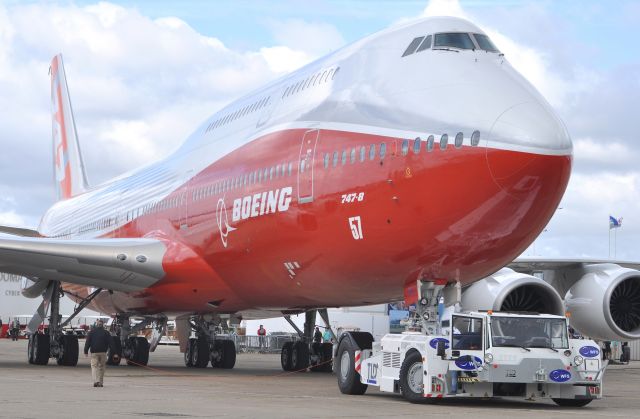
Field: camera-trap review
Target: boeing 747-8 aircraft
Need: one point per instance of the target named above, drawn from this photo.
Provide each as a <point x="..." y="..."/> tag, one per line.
<point x="417" y="155"/>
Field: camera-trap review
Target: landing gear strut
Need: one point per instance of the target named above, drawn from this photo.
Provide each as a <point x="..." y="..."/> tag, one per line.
<point x="304" y="353"/>
<point x="207" y="347"/>
<point x="53" y="342"/>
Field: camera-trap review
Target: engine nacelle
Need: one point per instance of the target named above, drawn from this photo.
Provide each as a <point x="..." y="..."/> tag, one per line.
<point x="507" y="290"/>
<point x="605" y="302"/>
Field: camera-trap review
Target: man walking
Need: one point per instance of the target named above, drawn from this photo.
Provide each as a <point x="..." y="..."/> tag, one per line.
<point x="98" y="341"/>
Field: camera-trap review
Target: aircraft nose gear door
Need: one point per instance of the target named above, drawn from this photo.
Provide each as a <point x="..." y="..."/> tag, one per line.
<point x="305" y="166"/>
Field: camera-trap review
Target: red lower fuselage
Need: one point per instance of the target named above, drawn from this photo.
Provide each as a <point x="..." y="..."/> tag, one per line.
<point x="354" y="232"/>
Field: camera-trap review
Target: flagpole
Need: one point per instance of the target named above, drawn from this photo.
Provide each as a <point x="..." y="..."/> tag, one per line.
<point x="609" y="241"/>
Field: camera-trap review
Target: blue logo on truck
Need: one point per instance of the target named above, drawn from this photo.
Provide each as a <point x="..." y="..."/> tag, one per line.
<point x="589" y="351"/>
<point x="466" y="363"/>
<point x="434" y="343"/>
<point x="560" y="376"/>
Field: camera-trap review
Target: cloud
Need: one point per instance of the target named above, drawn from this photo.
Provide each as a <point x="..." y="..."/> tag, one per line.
<point x="139" y="86"/>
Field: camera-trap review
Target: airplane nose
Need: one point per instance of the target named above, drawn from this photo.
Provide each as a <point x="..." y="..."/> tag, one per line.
<point x="539" y="139"/>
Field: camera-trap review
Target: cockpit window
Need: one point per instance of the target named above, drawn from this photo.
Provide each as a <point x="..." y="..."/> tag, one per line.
<point x="413" y="46"/>
<point x="453" y="40"/>
<point x="426" y="44"/>
<point x="485" y="43"/>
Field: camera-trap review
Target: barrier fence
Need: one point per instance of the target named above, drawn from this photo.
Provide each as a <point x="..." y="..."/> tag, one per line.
<point x="267" y="344"/>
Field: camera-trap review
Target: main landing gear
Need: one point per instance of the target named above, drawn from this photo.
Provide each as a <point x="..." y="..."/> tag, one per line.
<point x="206" y="347"/>
<point x="126" y="344"/>
<point x="53" y="342"/>
<point x="304" y="353"/>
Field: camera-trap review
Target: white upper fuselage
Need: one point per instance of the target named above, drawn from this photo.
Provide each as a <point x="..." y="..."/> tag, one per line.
<point x="365" y="87"/>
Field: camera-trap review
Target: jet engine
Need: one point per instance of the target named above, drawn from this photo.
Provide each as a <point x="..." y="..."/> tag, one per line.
<point x="507" y="290"/>
<point x="605" y="302"/>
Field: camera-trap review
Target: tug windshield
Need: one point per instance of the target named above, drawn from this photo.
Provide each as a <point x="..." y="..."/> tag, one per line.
<point x="529" y="332"/>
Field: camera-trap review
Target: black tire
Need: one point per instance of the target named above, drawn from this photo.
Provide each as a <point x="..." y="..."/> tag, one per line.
<point x="412" y="377"/>
<point x="68" y="355"/>
<point x="300" y="356"/>
<point x="285" y="356"/>
<point x="324" y="352"/>
<point x="572" y="402"/>
<point x="140" y="347"/>
<point x="30" y="352"/>
<point x="188" y="352"/>
<point x="327" y="357"/>
<point x="142" y="350"/>
<point x="348" y="377"/>
<point x="228" y="360"/>
<point x="41" y="349"/>
<point x="114" y="356"/>
<point x="200" y="355"/>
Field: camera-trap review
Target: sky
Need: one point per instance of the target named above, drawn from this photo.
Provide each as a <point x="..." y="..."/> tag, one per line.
<point x="143" y="74"/>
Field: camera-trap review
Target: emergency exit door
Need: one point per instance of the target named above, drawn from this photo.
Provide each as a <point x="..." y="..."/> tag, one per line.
<point x="305" y="166"/>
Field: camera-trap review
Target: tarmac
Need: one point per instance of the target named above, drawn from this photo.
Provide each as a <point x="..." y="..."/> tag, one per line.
<point x="256" y="387"/>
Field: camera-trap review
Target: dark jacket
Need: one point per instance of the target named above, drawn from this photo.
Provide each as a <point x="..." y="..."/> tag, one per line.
<point x="98" y="340"/>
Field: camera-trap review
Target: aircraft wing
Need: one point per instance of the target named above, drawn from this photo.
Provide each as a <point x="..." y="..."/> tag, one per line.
<point x="534" y="264"/>
<point x="114" y="264"/>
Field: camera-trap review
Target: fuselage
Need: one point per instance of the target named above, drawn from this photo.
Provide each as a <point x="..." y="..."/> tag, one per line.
<point x="341" y="183"/>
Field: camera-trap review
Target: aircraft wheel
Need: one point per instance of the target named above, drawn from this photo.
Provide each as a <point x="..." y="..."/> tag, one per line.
<point x="200" y="353"/>
<point x="30" y="351"/>
<point x="68" y="355"/>
<point x="41" y="349"/>
<point x="285" y="356"/>
<point x="412" y="378"/>
<point x="140" y="347"/>
<point x="572" y="402"/>
<point x="188" y="353"/>
<point x="323" y="352"/>
<point x="114" y="355"/>
<point x="228" y="359"/>
<point x="300" y="356"/>
<point x="348" y="377"/>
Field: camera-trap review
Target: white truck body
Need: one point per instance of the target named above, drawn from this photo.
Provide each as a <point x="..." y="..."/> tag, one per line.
<point x="522" y="356"/>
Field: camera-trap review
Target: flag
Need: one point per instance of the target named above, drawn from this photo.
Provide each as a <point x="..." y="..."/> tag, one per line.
<point x="614" y="223"/>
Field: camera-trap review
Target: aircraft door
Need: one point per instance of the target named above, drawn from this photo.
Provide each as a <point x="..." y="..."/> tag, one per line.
<point x="468" y="338"/>
<point x="305" y="166"/>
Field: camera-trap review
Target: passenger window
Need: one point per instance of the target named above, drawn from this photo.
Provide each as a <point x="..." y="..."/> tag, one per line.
<point x="444" y="140"/>
<point x="475" y="138"/>
<point x="413" y="46"/>
<point x="334" y="73"/>
<point x="430" y="141"/>
<point x="271" y="173"/>
<point x="353" y="155"/>
<point x="266" y="174"/>
<point x="277" y="171"/>
<point x="459" y="139"/>
<point x="260" y="175"/>
<point x="290" y="165"/>
<point x="405" y="147"/>
<point x="416" y="145"/>
<point x="363" y="152"/>
<point x="426" y="44"/>
<point x="372" y="151"/>
<point x="383" y="150"/>
<point x="344" y="157"/>
<point x="335" y="158"/>
<point x="301" y="170"/>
